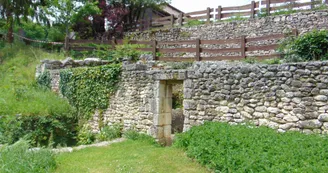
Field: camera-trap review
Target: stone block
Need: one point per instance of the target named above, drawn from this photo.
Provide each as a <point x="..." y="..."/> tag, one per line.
<point x="189" y="104"/>
<point x="323" y="117"/>
<point x="310" y="124"/>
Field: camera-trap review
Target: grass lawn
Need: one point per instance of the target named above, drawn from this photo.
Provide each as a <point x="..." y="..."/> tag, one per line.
<point x="128" y="156"/>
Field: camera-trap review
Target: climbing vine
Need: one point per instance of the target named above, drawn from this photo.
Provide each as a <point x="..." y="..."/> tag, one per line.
<point x="89" y="89"/>
<point x="44" y="80"/>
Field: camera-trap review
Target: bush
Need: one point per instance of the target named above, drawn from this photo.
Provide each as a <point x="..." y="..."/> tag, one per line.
<point x="110" y="132"/>
<point x="308" y="47"/>
<point x="136" y="136"/>
<point x="39" y="130"/>
<point x="85" y="135"/>
<point x="241" y="148"/>
<point x="191" y="23"/>
<point x="18" y="158"/>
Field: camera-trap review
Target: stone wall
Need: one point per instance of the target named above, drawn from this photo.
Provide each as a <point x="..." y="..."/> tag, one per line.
<point x="303" y="22"/>
<point x="284" y="97"/>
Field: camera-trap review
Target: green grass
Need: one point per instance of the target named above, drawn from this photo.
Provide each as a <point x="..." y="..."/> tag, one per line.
<point x="128" y="156"/>
<point x="240" y="148"/>
<point x="19" y="93"/>
<point x="17" y="158"/>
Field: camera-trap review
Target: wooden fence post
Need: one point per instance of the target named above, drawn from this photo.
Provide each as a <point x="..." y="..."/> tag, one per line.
<point x="208" y="20"/>
<point x="180" y="19"/>
<point x="268" y="2"/>
<point x="172" y="20"/>
<point x="219" y="13"/>
<point x="243" y="46"/>
<point x="67" y="43"/>
<point x="252" y="9"/>
<point x="154" y="49"/>
<point x="197" y="58"/>
<point x="312" y="4"/>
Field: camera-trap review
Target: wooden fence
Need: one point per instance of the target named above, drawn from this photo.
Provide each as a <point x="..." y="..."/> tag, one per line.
<point x="208" y="15"/>
<point x="198" y="47"/>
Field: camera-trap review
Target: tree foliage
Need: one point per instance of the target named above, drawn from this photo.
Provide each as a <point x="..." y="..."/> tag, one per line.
<point x="14" y="10"/>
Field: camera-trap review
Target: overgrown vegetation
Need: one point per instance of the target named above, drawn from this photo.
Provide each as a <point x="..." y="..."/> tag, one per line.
<point x="308" y="47"/>
<point x="18" y="158"/>
<point x="254" y="60"/>
<point x="191" y="23"/>
<point x="136" y="136"/>
<point x="27" y="109"/>
<point x="88" y="89"/>
<point x="241" y="148"/>
<point x="106" y="52"/>
<point x="110" y="132"/>
<point x="85" y="135"/>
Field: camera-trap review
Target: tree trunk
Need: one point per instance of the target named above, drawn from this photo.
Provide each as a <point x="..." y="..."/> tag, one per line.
<point x="10" y="23"/>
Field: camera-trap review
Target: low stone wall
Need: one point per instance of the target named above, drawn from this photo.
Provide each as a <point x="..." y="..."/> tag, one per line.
<point x="303" y="22"/>
<point x="54" y="66"/>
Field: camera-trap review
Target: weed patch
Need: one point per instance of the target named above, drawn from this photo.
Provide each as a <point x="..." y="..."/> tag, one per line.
<point x="241" y="148"/>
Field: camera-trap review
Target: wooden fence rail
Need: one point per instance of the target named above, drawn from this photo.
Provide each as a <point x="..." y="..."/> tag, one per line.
<point x="266" y="7"/>
<point x="197" y="47"/>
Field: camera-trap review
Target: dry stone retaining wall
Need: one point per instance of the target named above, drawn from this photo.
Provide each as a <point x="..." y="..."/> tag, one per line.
<point x="302" y="21"/>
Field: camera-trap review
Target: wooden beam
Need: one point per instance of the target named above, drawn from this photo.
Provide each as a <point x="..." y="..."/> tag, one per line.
<point x="252" y="9"/>
<point x="208" y="15"/>
<point x="197" y="58"/>
<point x="219" y="13"/>
<point x="268" y="3"/>
<point x="243" y="46"/>
<point x="154" y="49"/>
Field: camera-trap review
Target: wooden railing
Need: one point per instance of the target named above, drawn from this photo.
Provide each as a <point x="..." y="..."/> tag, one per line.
<point x="209" y="15"/>
<point x="199" y="48"/>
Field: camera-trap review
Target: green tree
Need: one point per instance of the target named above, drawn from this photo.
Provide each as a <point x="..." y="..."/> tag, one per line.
<point x="68" y="12"/>
<point x="14" y="10"/>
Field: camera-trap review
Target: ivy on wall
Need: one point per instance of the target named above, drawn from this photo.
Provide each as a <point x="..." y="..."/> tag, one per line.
<point x="89" y="89"/>
<point x="44" y="80"/>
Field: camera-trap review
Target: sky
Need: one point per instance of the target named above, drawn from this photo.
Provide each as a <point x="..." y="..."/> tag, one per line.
<point x="197" y="5"/>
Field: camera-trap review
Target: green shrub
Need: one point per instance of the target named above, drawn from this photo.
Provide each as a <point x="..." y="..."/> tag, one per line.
<point x="18" y="158"/>
<point x="250" y="60"/>
<point x="85" y="135"/>
<point x="225" y="148"/>
<point x="44" y="80"/>
<point x="88" y="89"/>
<point x="39" y="130"/>
<point x="105" y="52"/>
<point x="191" y="23"/>
<point x="109" y="132"/>
<point x="308" y="47"/>
<point x="136" y="136"/>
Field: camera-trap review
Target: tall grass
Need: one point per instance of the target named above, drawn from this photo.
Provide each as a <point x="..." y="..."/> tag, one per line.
<point x="226" y="148"/>
<point x="19" y="93"/>
<point x="18" y="158"/>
